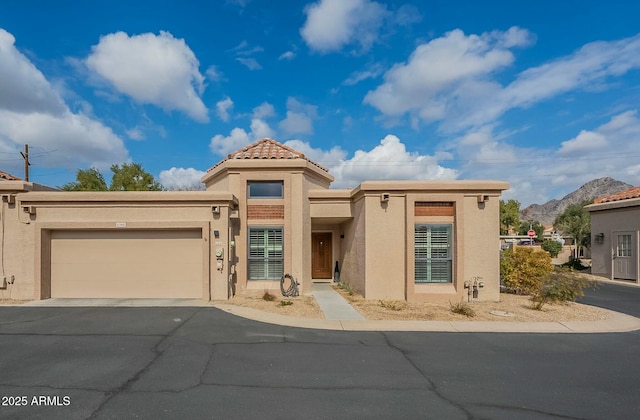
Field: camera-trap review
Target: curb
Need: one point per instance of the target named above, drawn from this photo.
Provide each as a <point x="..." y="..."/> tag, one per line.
<point x="617" y="322"/>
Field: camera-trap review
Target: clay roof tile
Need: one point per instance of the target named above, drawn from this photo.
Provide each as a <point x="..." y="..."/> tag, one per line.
<point x="266" y="149"/>
<point x="622" y="195"/>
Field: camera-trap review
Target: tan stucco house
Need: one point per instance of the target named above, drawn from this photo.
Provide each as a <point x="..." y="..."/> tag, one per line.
<point x="267" y="211"/>
<point x="615" y="235"/>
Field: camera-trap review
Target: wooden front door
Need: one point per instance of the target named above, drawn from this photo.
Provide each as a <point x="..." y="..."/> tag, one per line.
<point x="321" y="258"/>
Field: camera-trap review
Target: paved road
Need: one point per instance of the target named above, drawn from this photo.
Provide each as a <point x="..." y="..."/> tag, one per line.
<point x="191" y="363"/>
<point x="625" y="299"/>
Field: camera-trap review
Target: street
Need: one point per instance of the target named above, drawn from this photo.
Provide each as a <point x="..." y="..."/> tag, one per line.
<point x="189" y="363"/>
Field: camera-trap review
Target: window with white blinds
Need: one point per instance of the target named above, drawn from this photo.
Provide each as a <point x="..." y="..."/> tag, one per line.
<point x="433" y="253"/>
<point x="266" y="257"/>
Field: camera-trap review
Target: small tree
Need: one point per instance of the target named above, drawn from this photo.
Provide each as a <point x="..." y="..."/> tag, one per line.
<point x="132" y="177"/>
<point x="524" y="270"/>
<point x="575" y="221"/>
<point x="509" y="216"/>
<point x="87" y="180"/>
<point x="552" y="247"/>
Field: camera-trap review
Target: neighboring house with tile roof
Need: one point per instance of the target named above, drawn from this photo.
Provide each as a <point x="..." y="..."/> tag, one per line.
<point x="267" y="211"/>
<point x="615" y="235"/>
<point x="8" y="176"/>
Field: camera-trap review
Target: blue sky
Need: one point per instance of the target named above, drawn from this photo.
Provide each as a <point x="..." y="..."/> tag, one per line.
<point x="545" y="95"/>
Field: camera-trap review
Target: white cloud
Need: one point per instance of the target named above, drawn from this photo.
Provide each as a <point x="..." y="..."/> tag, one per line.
<point x="453" y="78"/>
<point x="23" y="87"/>
<point x="238" y="137"/>
<point x="620" y="135"/>
<point x="75" y="138"/>
<point x="223" y="107"/>
<point x="389" y="160"/>
<point x="32" y="112"/>
<point x="288" y="55"/>
<point x="250" y="63"/>
<point x="333" y="24"/>
<point x="327" y="158"/>
<point x="585" y="142"/>
<point x="135" y="133"/>
<point x="154" y="69"/>
<point x="214" y="74"/>
<point x="538" y="175"/>
<point x="408" y="14"/>
<point x="446" y="73"/>
<point x="356" y="77"/>
<point x="264" y="110"/>
<point x="181" y="178"/>
<point x="299" y="119"/>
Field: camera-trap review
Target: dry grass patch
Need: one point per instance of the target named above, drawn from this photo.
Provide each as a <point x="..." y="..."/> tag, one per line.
<point x="300" y="306"/>
<point x="518" y="306"/>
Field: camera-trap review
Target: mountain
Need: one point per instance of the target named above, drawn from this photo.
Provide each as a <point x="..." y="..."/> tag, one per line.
<point x="547" y="212"/>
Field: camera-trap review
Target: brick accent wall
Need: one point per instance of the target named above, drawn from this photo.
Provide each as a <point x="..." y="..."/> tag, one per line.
<point x="433" y="209"/>
<point x="265" y="211"/>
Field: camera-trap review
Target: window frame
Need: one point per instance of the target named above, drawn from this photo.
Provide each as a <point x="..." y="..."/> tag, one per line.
<point x="426" y="263"/>
<point x="280" y="183"/>
<point x="265" y="258"/>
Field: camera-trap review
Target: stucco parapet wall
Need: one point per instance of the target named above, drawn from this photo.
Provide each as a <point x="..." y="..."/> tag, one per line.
<point x="611" y="205"/>
<point x="467" y="187"/>
<point x="290" y="165"/>
<point x="114" y="197"/>
<point x="7" y="187"/>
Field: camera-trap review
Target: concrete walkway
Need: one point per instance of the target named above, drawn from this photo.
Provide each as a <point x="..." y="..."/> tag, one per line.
<point x="332" y="304"/>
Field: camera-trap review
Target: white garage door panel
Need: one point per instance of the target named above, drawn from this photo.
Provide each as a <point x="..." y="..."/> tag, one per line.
<point x="127" y="264"/>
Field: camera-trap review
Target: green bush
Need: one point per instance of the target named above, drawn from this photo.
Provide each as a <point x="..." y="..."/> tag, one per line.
<point x="563" y="285"/>
<point x="524" y="270"/>
<point x="552" y="247"/>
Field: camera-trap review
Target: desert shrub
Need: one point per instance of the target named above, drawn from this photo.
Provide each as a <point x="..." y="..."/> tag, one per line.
<point x="393" y="305"/>
<point x="524" y="270"/>
<point x="268" y="296"/>
<point x="574" y="264"/>
<point x="462" y="308"/>
<point x="346" y="288"/>
<point x="285" y="303"/>
<point x="552" y="247"/>
<point x="563" y="285"/>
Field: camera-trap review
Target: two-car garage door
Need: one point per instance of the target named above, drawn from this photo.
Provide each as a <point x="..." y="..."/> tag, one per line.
<point x="127" y="264"/>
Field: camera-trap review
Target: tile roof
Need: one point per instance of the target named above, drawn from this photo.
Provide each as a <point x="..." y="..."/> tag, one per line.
<point x="266" y="149"/>
<point x="622" y="195"/>
<point x="8" y="177"/>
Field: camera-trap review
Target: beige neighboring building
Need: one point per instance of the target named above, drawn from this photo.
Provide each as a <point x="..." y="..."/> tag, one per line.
<point x="267" y="211"/>
<point x="615" y="235"/>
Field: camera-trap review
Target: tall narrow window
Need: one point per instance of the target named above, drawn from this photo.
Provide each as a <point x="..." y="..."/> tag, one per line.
<point x="266" y="257"/>
<point x="433" y="253"/>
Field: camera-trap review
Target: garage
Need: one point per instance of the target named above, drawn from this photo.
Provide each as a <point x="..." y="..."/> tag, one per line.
<point x="127" y="263"/>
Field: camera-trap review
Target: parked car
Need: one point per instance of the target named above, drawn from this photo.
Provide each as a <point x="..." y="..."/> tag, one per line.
<point x="527" y="242"/>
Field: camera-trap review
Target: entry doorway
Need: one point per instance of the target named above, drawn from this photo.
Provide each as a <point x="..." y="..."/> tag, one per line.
<point x="624" y="256"/>
<point x="321" y="255"/>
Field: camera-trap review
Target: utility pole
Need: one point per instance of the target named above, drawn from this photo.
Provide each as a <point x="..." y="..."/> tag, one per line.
<point x="25" y="156"/>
